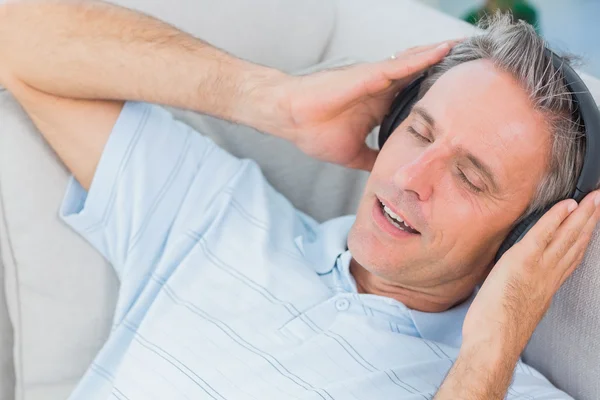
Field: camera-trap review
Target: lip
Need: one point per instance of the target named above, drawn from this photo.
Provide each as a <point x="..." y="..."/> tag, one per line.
<point x="398" y="213"/>
<point x="382" y="222"/>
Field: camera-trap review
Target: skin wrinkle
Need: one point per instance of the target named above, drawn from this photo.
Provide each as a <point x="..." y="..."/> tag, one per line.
<point x="476" y="107"/>
<point x="475" y="161"/>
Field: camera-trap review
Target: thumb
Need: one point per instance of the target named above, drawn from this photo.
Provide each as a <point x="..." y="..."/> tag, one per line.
<point x="365" y="159"/>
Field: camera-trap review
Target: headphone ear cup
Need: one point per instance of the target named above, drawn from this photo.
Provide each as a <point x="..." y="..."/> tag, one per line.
<point x="517" y="233"/>
<point x="399" y="110"/>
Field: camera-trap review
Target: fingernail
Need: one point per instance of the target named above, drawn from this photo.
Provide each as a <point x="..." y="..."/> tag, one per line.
<point x="444" y="46"/>
<point x="597" y="199"/>
<point x="572" y="206"/>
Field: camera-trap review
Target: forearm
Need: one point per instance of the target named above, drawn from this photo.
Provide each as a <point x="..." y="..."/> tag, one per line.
<point x="93" y="50"/>
<point x="482" y="372"/>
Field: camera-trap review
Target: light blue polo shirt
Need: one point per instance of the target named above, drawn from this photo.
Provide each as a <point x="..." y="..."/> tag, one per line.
<point x="229" y="292"/>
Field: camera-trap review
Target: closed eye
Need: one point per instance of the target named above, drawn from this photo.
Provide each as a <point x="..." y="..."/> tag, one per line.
<point x="470" y="184"/>
<point x="417" y="135"/>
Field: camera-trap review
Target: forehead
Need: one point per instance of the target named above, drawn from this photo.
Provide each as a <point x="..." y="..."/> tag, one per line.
<point x="484" y="110"/>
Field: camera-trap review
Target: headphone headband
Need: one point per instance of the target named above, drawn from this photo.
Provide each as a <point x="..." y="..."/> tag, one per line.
<point x="588" y="112"/>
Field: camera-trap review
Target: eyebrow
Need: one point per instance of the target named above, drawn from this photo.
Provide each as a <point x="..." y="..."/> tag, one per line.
<point x="477" y="163"/>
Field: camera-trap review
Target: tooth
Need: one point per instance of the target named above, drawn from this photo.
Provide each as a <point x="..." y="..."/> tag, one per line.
<point x="395" y="223"/>
<point x="392" y="214"/>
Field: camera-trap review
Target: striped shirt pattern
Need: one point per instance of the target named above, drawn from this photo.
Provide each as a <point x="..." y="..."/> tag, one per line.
<point x="229" y="292"/>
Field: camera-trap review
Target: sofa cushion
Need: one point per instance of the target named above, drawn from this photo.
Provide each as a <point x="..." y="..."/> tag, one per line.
<point x="60" y="292"/>
<point x="287" y="35"/>
<point x="7" y="370"/>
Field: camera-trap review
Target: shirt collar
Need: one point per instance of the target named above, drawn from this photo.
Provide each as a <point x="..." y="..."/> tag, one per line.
<point x="327" y="249"/>
<point x="328" y="241"/>
<point x="443" y="327"/>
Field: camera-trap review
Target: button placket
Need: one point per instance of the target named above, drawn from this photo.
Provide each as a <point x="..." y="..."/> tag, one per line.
<point x="342" y="304"/>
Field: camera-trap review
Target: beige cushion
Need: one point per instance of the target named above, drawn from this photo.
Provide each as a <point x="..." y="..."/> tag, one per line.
<point x="7" y="373"/>
<point x="284" y="34"/>
<point x="60" y="292"/>
<point x="7" y="370"/>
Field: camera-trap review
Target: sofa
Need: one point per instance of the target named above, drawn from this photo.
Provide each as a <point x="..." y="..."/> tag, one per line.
<point x="57" y="294"/>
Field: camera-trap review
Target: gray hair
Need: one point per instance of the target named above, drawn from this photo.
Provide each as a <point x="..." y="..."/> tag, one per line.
<point x="516" y="48"/>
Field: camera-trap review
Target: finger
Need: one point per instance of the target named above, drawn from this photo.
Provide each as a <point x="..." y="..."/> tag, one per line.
<point x="540" y="235"/>
<point x="390" y="75"/>
<point x="575" y="254"/>
<point x="407" y="65"/>
<point x="365" y="159"/>
<point x="568" y="232"/>
<point x="399" y="84"/>
<point x="427" y="47"/>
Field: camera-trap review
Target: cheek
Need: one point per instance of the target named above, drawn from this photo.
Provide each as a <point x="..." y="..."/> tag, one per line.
<point x="459" y="220"/>
<point x="453" y="212"/>
<point x="468" y="228"/>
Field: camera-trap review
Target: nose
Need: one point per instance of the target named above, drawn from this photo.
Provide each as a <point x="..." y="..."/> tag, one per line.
<point x="421" y="174"/>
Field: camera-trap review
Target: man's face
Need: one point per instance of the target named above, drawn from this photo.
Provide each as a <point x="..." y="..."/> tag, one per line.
<point x="460" y="170"/>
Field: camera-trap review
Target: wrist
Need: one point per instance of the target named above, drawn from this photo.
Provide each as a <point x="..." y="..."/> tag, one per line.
<point x="492" y="352"/>
<point x="481" y="371"/>
<point x="261" y="100"/>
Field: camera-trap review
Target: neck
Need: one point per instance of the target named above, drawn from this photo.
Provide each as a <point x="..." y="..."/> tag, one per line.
<point x="427" y="299"/>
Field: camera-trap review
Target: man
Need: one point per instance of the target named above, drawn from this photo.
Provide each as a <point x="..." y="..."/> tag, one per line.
<point x="227" y="291"/>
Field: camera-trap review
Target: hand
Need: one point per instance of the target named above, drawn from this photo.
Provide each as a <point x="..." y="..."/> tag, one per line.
<point x="520" y="287"/>
<point x="329" y="114"/>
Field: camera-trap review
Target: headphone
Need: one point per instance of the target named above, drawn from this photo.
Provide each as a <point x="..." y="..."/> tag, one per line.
<point x="585" y="108"/>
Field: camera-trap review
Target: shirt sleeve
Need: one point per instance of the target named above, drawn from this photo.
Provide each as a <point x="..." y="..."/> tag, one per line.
<point x="529" y="384"/>
<point x="147" y="167"/>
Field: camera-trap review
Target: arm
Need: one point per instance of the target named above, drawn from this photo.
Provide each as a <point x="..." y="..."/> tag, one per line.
<point x="514" y="298"/>
<point x="76" y="61"/>
<point x="93" y="50"/>
<point x="480" y="372"/>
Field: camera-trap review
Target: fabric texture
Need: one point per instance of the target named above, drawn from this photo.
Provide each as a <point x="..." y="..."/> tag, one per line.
<point x="287" y="35"/>
<point x="186" y="225"/>
<point x="60" y="310"/>
<point x="7" y="369"/>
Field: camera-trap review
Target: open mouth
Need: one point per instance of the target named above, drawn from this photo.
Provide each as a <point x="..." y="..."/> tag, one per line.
<point x="396" y="220"/>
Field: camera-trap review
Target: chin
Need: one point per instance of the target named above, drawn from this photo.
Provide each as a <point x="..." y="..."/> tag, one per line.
<point x="368" y="250"/>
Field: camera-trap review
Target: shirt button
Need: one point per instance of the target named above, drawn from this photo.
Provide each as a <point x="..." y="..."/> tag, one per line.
<point x="342" y="304"/>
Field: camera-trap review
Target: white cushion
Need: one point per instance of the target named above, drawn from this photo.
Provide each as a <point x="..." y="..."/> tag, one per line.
<point x="60" y="292"/>
<point x="374" y="30"/>
<point x="7" y="374"/>
<point x="284" y="34"/>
